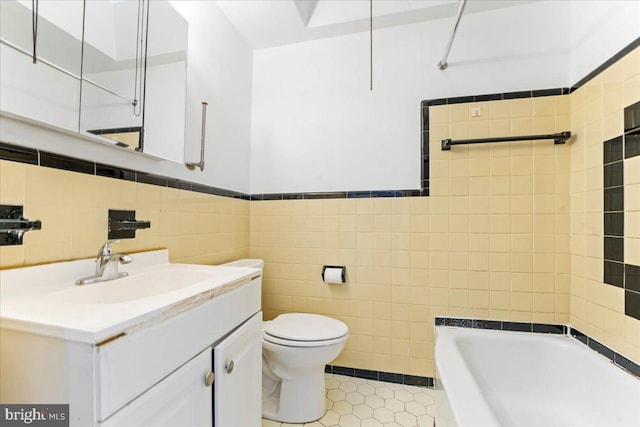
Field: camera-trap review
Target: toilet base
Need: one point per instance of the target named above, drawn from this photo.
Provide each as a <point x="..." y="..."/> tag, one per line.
<point x="302" y="399"/>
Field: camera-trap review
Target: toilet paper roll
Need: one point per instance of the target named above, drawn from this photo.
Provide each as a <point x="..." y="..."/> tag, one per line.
<point x="333" y="275"/>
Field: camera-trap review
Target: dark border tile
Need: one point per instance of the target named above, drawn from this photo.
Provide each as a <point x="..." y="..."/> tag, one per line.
<point x="460" y="100"/>
<point x="15" y="153"/>
<point x="614" y="224"/>
<point x="614" y="273"/>
<point x="314" y="195"/>
<point x="544" y="328"/>
<point x="439" y="321"/>
<point x="57" y="161"/>
<point x="612" y="150"/>
<point x="274" y="196"/>
<point x="364" y="373"/>
<point x="579" y="336"/>
<point x="627" y="364"/>
<point x="390" y="377"/>
<point x="547" y="92"/>
<point x="384" y="193"/>
<point x="614" y="174"/>
<point x="614" y="249"/>
<point x="115" y="172"/>
<point x="179" y="184"/>
<point x="631" y="145"/>
<point x="517" y="95"/>
<point x="603" y="350"/>
<point x="341" y="370"/>
<point x="632" y="304"/>
<point x="434" y="102"/>
<point x="489" y="97"/>
<point x="417" y="381"/>
<point x="488" y="324"/>
<point x="425" y="119"/>
<point x="292" y="196"/>
<point x="358" y="194"/>
<point x="614" y="199"/>
<point x="517" y="327"/>
<point x="200" y="188"/>
<point x="632" y="277"/>
<point x="148" y="178"/>
<point x="632" y="117"/>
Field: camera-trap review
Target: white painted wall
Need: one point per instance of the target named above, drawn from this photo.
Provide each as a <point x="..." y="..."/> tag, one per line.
<point x="599" y="29"/>
<point x="317" y="127"/>
<point x="219" y="71"/>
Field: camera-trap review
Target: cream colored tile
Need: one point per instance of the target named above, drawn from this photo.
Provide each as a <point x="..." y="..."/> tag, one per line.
<point x="499" y="109"/>
<point x="11" y="256"/>
<point x="46" y="186"/>
<point x="521" y="107"/>
<point x="12" y="183"/>
<point x="544" y="106"/>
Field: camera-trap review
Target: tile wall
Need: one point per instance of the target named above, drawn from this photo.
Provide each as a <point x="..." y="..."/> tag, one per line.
<point x="597" y="121"/>
<point x="491" y="241"/>
<point x="73" y="207"/>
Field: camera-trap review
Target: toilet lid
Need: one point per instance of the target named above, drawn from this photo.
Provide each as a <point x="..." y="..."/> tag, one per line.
<point x="305" y="327"/>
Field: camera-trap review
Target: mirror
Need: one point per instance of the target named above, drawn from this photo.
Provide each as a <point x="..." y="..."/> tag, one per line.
<point x="119" y="75"/>
<point x="49" y="90"/>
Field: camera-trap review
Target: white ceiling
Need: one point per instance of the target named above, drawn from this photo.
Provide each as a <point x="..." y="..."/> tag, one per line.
<point x="268" y="23"/>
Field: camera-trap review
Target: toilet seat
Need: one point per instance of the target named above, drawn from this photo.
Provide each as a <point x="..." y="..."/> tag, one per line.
<point x="292" y="343"/>
<point x="304" y="330"/>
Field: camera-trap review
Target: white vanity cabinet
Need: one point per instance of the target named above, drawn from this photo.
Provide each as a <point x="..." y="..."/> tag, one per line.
<point x="181" y="399"/>
<point x="185" y="397"/>
<point x="147" y="370"/>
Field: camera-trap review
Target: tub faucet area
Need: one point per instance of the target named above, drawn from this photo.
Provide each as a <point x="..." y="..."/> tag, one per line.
<point x="107" y="265"/>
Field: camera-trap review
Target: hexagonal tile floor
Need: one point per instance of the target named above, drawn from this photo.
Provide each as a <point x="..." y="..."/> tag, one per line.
<point x="356" y="402"/>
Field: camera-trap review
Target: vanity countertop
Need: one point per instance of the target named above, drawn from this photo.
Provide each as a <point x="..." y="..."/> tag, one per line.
<point x="44" y="299"/>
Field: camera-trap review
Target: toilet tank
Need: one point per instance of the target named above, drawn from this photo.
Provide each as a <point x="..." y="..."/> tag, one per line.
<point x="252" y="263"/>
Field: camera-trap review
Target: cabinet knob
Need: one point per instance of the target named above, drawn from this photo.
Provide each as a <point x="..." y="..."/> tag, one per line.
<point x="230" y="367"/>
<point x="208" y="379"/>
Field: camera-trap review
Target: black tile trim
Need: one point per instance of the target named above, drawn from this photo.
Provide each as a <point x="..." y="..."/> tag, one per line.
<point x="545" y="328"/>
<point x="148" y="178"/>
<point x="618" y="359"/>
<point x="389" y="377"/>
<point x="15" y="153"/>
<point x="115" y="172"/>
<point x="495" y="97"/>
<point x="72" y="164"/>
<point x="19" y="154"/>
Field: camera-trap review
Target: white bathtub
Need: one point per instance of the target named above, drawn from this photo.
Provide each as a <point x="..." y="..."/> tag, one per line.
<point x="500" y="378"/>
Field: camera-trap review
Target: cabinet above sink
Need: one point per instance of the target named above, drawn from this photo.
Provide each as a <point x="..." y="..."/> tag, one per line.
<point x="114" y="71"/>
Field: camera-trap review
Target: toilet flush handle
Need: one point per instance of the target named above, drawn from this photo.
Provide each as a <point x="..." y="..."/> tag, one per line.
<point x="229" y="367"/>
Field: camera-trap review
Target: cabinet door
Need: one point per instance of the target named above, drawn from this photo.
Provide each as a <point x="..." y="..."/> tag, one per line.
<point x="181" y="399"/>
<point x="238" y="384"/>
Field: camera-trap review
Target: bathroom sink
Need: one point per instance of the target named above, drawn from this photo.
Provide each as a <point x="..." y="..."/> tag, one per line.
<point x="45" y="300"/>
<point x="141" y="285"/>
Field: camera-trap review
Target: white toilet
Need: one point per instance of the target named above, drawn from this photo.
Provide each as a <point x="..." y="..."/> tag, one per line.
<point x="295" y="349"/>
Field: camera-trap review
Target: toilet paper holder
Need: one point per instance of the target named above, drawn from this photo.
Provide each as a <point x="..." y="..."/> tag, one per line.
<point x="343" y="274"/>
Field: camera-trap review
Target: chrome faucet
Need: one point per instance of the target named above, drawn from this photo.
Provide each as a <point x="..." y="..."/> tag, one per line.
<point x="107" y="265"/>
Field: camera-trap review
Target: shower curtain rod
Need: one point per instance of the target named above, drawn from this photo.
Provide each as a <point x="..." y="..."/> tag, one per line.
<point x="443" y="64"/>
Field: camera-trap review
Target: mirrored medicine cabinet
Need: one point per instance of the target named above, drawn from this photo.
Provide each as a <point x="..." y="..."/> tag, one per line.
<point x="115" y="70"/>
